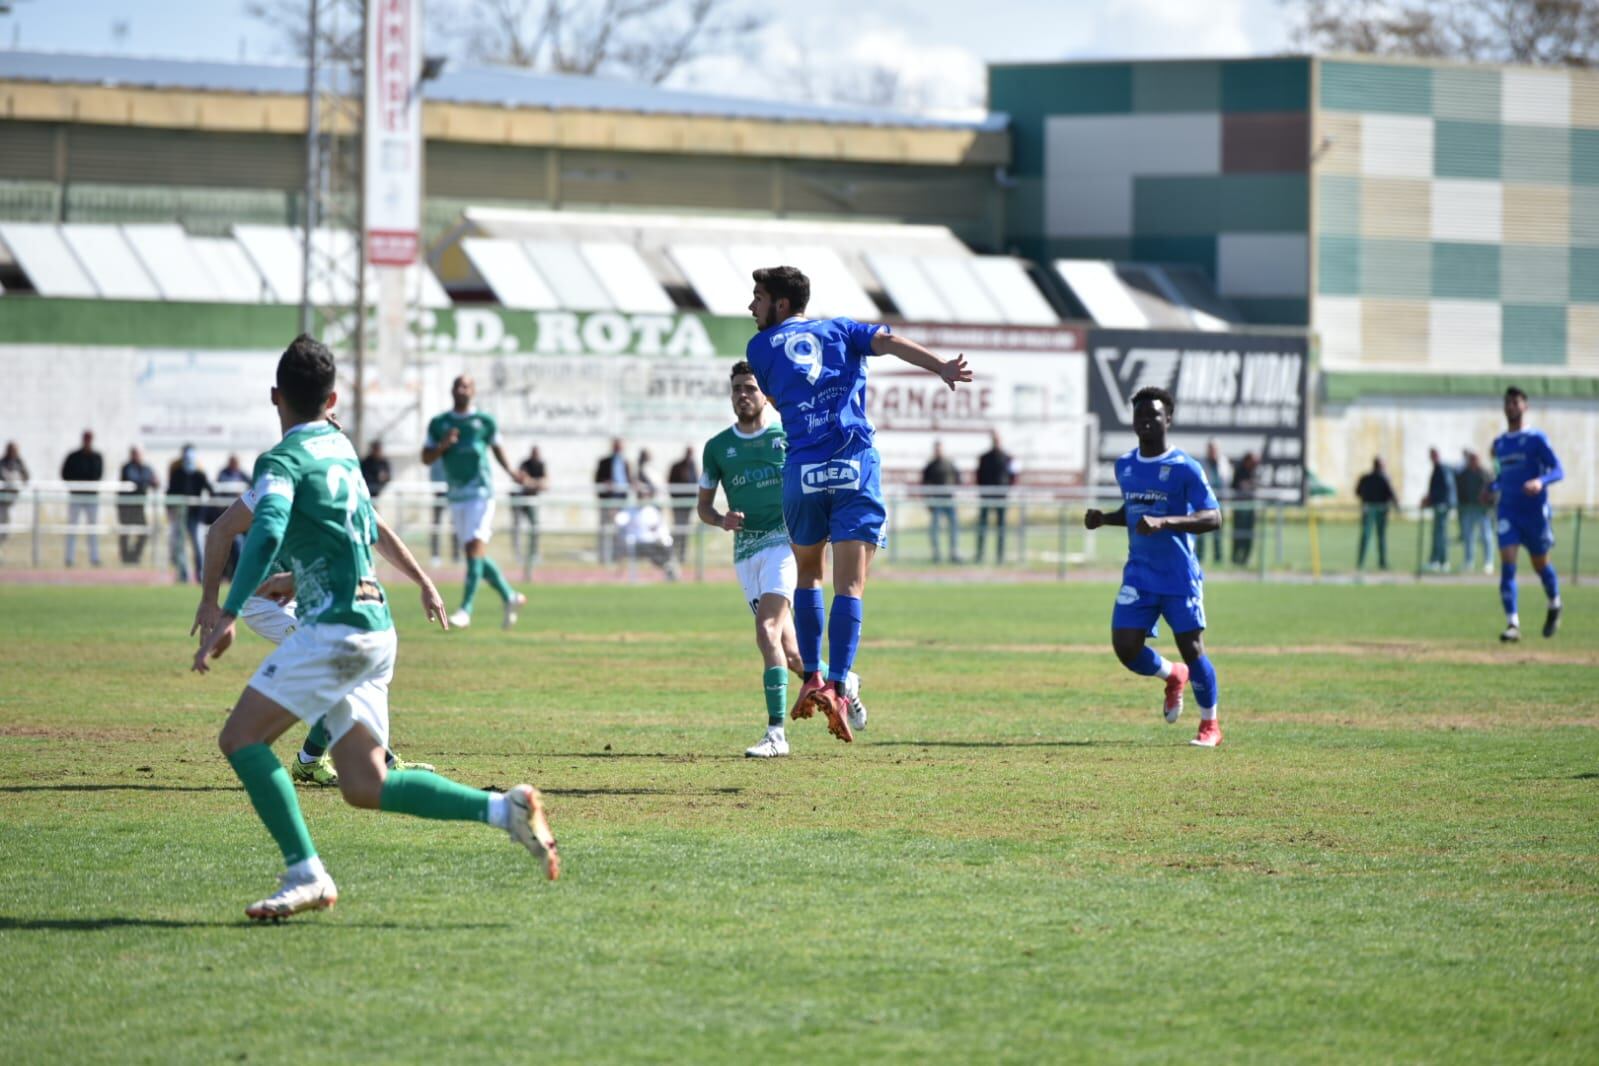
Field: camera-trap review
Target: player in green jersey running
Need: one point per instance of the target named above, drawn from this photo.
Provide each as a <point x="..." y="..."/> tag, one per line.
<point x="463" y="437"/>
<point x="314" y="515"/>
<point x="746" y="459"/>
<point x="270" y="614"/>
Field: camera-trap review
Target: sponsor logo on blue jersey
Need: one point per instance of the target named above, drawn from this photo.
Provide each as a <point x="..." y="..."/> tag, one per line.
<point x="834" y="474"/>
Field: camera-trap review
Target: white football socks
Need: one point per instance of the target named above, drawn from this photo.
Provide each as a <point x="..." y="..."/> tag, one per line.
<point x="499" y="811"/>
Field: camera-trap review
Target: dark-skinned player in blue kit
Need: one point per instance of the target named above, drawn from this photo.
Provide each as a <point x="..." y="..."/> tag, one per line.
<point x="1526" y="466"/>
<point x="1165" y="501"/>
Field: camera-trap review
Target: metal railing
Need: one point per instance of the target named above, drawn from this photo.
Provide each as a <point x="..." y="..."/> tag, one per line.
<point x="1034" y="532"/>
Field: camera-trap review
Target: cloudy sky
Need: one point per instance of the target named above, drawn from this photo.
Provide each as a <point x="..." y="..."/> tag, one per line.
<point x="936" y="47"/>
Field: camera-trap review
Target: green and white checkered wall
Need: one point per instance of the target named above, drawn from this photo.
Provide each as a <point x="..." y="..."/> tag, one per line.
<point x="1198" y="162"/>
<point x="1456" y="216"/>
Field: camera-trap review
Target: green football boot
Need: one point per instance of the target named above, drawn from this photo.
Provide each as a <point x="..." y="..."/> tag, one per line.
<point x="397" y="763"/>
<point x="320" y="772"/>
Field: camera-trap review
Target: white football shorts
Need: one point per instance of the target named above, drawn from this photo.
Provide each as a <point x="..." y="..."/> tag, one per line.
<point x="269" y="619"/>
<point x="338" y="673"/>
<point x="473" y="519"/>
<point x="770" y="570"/>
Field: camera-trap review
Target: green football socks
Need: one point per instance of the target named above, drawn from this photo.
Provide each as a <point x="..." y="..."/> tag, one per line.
<point x="496" y="580"/>
<point x="776" y="680"/>
<point x="474" y="573"/>
<point x="423" y="794"/>
<point x="271" y="793"/>
<point x="316" y="741"/>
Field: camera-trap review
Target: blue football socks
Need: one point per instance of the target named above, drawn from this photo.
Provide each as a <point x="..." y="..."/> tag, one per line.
<point x="843" y="636"/>
<point x="808" y="617"/>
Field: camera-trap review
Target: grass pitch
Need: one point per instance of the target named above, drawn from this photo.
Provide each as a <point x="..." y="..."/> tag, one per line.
<point x="1394" y="856"/>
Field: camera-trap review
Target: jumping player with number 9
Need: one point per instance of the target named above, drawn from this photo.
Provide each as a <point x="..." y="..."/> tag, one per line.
<point x="814" y="372"/>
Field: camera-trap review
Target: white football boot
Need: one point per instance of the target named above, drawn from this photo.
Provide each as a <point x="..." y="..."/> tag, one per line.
<point x="529" y="828"/>
<point x="295" y="894"/>
<point x="774" y="745"/>
<point x="460" y="619"/>
<point x="512" y="606"/>
<point x="857" y="709"/>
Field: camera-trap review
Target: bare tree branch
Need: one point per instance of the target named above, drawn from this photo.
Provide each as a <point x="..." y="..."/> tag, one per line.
<point x="1542" y="32"/>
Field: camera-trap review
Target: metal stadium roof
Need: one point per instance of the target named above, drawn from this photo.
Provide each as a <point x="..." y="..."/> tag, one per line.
<point x="492" y="86"/>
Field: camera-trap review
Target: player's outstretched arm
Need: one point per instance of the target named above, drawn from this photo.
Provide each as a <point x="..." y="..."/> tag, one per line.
<point x="393" y="549"/>
<point x="235" y="521"/>
<point x="953" y="371"/>
<point x="1093" y="518"/>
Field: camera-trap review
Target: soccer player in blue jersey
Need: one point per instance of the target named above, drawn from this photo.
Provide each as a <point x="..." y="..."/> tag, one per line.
<point x="814" y="372"/>
<point x="1525" y="466"/>
<point x="1166" y="500"/>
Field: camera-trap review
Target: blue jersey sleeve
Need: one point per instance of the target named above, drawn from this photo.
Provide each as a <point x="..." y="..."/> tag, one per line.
<point x="1200" y="495"/>
<point x="1552" y="470"/>
<point x="858" y="335"/>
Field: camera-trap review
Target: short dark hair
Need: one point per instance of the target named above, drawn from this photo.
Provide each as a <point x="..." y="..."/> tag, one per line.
<point x="305" y="375"/>
<point x="1155" y="392"/>
<point x="740" y="369"/>
<point x="1514" y="391"/>
<point x="785" y="282"/>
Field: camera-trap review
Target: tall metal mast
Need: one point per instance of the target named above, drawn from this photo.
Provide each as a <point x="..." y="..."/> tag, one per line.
<point x="333" y="291"/>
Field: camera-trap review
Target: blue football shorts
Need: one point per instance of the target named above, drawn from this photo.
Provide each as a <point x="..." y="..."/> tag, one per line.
<point x="1531" y="530"/>
<point x="1136" y="609"/>
<point x="836" y="499"/>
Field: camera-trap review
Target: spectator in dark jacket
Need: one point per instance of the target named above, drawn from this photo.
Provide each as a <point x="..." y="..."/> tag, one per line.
<point x="1376" y="500"/>
<point x="682" y="481"/>
<point x="1246" y="482"/>
<point x="996" y="473"/>
<point x="84" y="465"/>
<point x="131" y="506"/>
<point x="376" y="471"/>
<point x="1441" y="498"/>
<point x="613" y="479"/>
<point x="13" y="475"/>
<point x="937" y="477"/>
<point x="187" y="489"/>
<point x="1472" y="487"/>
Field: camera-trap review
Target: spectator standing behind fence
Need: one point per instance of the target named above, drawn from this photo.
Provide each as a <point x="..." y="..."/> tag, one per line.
<point x="613" y="478"/>
<point x="187" y="481"/>
<point x="1218" y="472"/>
<point x="131" y="506"/>
<point x="1377" y="497"/>
<point x="1441" y="498"/>
<point x="1470" y="487"/>
<point x="526" y="512"/>
<point x="375" y="470"/>
<point x="84" y="465"/>
<point x="996" y="473"/>
<point x="937" y="477"/>
<point x="682" y="481"/>
<point x="1246" y="482"/>
<point x="13" y="475"/>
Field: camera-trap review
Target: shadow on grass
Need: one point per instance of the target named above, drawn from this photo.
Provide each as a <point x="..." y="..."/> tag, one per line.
<point x="118" y="788"/>
<point x="1000" y="743"/>
<point x="92" y="925"/>
<point x="583" y="793"/>
<point x="1590" y="776"/>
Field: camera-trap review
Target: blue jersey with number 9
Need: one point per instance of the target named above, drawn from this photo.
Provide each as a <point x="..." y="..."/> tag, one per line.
<point x="814" y="372"/>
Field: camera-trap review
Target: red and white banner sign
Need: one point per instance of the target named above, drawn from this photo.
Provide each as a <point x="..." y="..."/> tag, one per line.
<point x="393" y="149"/>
